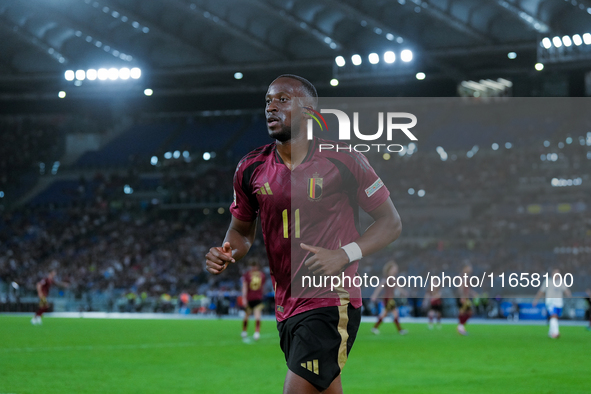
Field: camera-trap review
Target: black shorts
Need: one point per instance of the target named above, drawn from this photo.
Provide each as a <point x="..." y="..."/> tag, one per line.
<point x="317" y="343"/>
<point x="437" y="307"/>
<point x="253" y="304"/>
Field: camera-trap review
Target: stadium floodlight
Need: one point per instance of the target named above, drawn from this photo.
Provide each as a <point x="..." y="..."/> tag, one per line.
<point x="569" y="140"/>
<point x="154" y="160"/>
<point x="340" y="61"/>
<point x="421" y="193"/>
<point x="135" y="73"/>
<point x="411" y="191"/>
<point x="567" y="41"/>
<point x="334" y="82"/>
<point x="176" y="154"/>
<point x="390" y="36"/>
<point x="91" y="74"/>
<point x="69" y="75"/>
<point x="547" y="43"/>
<point x="61" y="94"/>
<point x="374" y="58"/>
<point x="186" y="154"/>
<point x="495" y="146"/>
<point x="80" y="75"/>
<point x="577" y="40"/>
<point x="539" y="66"/>
<point x="206" y="156"/>
<point x="113" y="74"/>
<point x="221" y="210"/>
<point x="420" y="76"/>
<point x="127" y="189"/>
<point x="148" y="92"/>
<point x="103" y="74"/>
<point x="168" y="155"/>
<point x="238" y="75"/>
<point x="508" y="145"/>
<point x="557" y="42"/>
<point x="587" y="38"/>
<point x="389" y="57"/>
<point x="124" y="73"/>
<point x="356" y="60"/>
<point x="512" y="55"/>
<point x="406" y="55"/>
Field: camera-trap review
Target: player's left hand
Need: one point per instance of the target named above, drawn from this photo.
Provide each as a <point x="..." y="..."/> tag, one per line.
<point x="325" y="261"/>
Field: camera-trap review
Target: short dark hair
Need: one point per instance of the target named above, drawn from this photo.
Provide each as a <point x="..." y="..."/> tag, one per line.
<point x="307" y="85"/>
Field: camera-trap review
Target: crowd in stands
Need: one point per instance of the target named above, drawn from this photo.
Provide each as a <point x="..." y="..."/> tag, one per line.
<point x="98" y="248"/>
<point x="24" y="143"/>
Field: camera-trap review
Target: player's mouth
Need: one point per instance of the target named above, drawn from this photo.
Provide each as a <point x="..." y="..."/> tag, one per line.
<point x="272" y="121"/>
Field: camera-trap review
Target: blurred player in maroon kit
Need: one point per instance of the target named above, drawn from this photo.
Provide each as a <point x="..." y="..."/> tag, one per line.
<point x="252" y="297"/>
<point x="465" y="302"/>
<point x="390" y="270"/>
<point x="313" y="234"/>
<point x="43" y="287"/>
<point x="589" y="310"/>
<point x="434" y="302"/>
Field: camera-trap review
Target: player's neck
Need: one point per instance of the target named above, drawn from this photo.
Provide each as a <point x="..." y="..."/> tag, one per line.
<point x="293" y="152"/>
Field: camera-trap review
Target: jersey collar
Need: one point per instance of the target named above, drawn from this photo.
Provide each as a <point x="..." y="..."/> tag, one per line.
<point x="309" y="155"/>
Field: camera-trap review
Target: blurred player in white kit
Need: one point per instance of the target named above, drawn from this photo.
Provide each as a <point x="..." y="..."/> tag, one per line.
<point x="554" y="301"/>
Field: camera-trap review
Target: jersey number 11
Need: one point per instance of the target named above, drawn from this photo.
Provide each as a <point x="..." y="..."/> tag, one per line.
<point x="285" y="215"/>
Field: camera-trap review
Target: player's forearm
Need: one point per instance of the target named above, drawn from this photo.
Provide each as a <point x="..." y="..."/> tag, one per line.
<point x="380" y="234"/>
<point x="240" y="243"/>
<point x="376" y="292"/>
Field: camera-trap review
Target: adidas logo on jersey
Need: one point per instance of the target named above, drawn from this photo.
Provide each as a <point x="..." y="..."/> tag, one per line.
<point x="311" y="366"/>
<point x="265" y="189"/>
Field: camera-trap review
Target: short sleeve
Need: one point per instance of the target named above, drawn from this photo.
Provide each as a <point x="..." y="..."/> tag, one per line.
<point x="371" y="191"/>
<point x="245" y="206"/>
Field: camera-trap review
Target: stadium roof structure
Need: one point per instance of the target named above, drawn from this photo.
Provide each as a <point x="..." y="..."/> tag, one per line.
<point x="196" y="47"/>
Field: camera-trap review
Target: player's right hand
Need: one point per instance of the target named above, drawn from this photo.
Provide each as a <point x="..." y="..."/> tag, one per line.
<point x="218" y="258"/>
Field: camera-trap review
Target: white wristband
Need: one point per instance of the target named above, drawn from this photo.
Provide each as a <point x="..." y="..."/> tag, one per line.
<point x="353" y="251"/>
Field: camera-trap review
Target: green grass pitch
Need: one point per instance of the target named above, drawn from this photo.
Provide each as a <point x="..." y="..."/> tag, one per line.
<point x="208" y="356"/>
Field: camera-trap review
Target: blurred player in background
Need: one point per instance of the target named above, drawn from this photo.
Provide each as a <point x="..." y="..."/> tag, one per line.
<point x="465" y="301"/>
<point x="43" y="287"/>
<point x="253" y="281"/>
<point x="589" y="310"/>
<point x="317" y="327"/>
<point x="554" y="301"/>
<point x="390" y="270"/>
<point x="434" y="304"/>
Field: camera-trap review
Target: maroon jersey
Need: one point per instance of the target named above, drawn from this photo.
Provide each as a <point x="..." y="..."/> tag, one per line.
<point x="316" y="204"/>
<point x="45" y="286"/>
<point x="388" y="291"/>
<point x="254" y="280"/>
